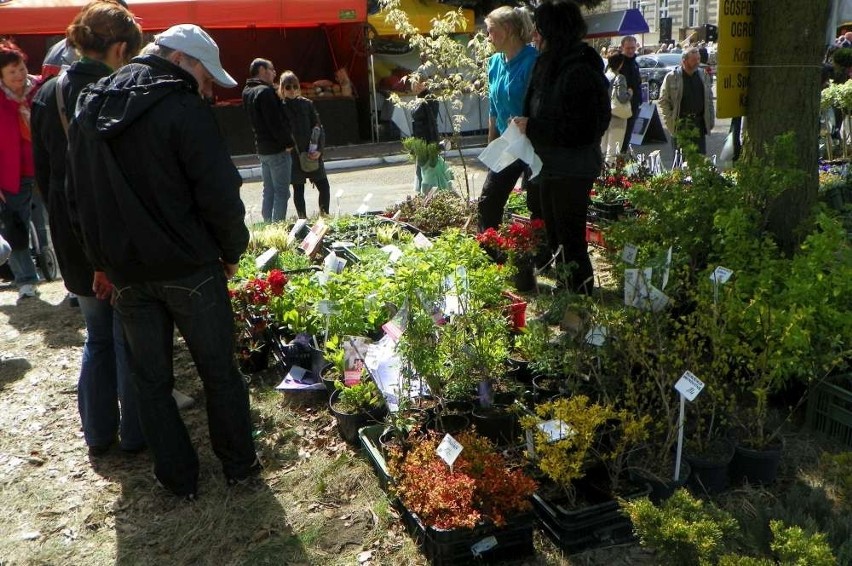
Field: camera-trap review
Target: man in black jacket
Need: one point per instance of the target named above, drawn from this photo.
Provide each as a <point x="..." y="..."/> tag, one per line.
<point x="156" y="198"/>
<point x="630" y="70"/>
<point x="272" y="137"/>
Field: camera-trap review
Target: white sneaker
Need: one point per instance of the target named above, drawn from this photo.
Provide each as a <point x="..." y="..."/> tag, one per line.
<point x="182" y="399"/>
<point x="27" y="290"/>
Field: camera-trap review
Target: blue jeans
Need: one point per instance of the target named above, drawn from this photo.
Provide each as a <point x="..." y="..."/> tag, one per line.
<point x="276" y="171"/>
<point x="105" y="380"/>
<point x="199" y="306"/>
<point x="21" y="261"/>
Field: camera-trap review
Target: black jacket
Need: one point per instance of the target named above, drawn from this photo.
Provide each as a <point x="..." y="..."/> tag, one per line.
<point x="302" y="116"/>
<point x="630" y="70"/>
<point x="272" y="132"/>
<point x="50" y="146"/>
<point x="568" y="111"/>
<point x="424" y="119"/>
<point x="151" y="182"/>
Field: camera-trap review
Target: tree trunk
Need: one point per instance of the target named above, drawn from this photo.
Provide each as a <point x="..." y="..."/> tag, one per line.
<point x="784" y="96"/>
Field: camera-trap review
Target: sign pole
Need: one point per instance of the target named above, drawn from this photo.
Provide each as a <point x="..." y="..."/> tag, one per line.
<point x="680" y="422"/>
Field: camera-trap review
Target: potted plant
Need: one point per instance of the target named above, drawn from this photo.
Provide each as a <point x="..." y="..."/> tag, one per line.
<point x="356" y="406"/>
<point x="521" y="242"/>
<point x="580" y="447"/>
<point x="250" y="303"/>
<point x="450" y="508"/>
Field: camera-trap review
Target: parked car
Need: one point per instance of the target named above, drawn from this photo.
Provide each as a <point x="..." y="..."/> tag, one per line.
<point x="654" y="68"/>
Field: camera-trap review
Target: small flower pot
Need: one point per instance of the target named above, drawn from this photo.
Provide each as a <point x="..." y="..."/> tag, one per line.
<point x="661" y="487"/>
<point x="755" y="466"/>
<point x="546" y="388"/>
<point x="524" y="278"/>
<point x="496" y="423"/>
<point x="710" y="473"/>
<point x="519" y="370"/>
<point x="349" y="423"/>
<point x="448" y="423"/>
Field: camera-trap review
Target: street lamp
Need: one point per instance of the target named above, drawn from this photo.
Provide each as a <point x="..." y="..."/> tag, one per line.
<point x="642" y="6"/>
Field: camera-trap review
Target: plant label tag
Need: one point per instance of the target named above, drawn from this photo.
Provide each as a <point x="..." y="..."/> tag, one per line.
<point x="339" y="193"/>
<point x="396" y="325"/>
<point x="484" y="545"/>
<point x="264" y="259"/>
<point x="421" y="242"/>
<point x="362" y="209"/>
<point x="721" y="275"/>
<point x="631" y="286"/>
<point x="327" y="307"/>
<point x="367" y="197"/>
<point x="666" y="269"/>
<point x="556" y="430"/>
<point x="658" y="299"/>
<point x="451" y="304"/>
<point x="322" y="278"/>
<point x="629" y="254"/>
<point x="597" y="335"/>
<point x="394" y="253"/>
<point x="689" y="386"/>
<point x="449" y="449"/>
<point x="298" y="231"/>
<point x="330" y="264"/>
<point x="396" y="215"/>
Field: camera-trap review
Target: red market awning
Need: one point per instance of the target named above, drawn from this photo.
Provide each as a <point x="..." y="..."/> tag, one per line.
<point x="51" y="17"/>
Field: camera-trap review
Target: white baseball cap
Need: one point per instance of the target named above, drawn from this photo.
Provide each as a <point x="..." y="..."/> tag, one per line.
<point x="195" y="42"/>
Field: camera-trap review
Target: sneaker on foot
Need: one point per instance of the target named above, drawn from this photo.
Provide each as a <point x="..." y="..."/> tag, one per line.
<point x="27" y="290"/>
<point x="252" y="473"/>
<point x="73" y="301"/>
<point x="182" y="399"/>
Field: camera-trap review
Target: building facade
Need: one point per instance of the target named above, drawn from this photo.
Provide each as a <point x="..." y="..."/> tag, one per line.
<point x="686" y="16"/>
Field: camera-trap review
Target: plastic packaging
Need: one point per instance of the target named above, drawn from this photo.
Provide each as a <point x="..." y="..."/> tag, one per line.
<point x="315" y="136"/>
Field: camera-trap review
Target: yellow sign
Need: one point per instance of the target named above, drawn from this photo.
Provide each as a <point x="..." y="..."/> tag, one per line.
<point x="736" y="30"/>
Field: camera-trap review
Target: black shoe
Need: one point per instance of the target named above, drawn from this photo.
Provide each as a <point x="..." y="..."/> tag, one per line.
<point x="252" y="473"/>
<point x="73" y="301"/>
<point x="100" y="450"/>
<point x="191" y="497"/>
<point x="133" y="451"/>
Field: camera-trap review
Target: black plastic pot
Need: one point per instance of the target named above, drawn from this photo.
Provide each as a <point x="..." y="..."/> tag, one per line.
<point x="328" y="380"/>
<point x="661" y="487"/>
<point x="524" y="278"/>
<point x="257" y="360"/>
<point x="348" y="424"/>
<point x="496" y="423"/>
<point x="593" y="526"/>
<point x="456" y="408"/>
<point x="448" y="423"/>
<point x="711" y="475"/>
<point x="460" y="546"/>
<point x="519" y="370"/>
<point x="755" y="466"/>
<point x="545" y="388"/>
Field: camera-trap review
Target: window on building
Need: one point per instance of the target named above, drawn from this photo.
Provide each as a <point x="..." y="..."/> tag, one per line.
<point x="664" y="8"/>
<point x="692" y="14"/>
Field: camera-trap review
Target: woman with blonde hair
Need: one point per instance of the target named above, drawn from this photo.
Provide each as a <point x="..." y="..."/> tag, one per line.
<point x="509" y="31"/>
<point x="106" y="36"/>
<point x="309" y="137"/>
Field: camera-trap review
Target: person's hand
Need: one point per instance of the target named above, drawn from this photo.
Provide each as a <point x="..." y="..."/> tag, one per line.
<point x="230" y="269"/>
<point x="314" y="155"/>
<point x="101" y="285"/>
<point x="521" y="123"/>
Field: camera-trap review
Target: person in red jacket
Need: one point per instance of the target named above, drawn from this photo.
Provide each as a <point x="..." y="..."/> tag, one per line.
<point x="17" y="89"/>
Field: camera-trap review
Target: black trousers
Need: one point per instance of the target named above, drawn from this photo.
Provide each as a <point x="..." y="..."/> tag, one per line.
<point x="495" y="193"/>
<point x="564" y="202"/>
<point x="324" y="197"/>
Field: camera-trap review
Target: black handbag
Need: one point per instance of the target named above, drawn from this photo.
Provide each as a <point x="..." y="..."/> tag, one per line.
<point x="13" y="228"/>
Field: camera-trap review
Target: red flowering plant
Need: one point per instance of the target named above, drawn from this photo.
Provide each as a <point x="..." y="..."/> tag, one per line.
<point x="480" y="487"/>
<point x="250" y="302"/>
<point x="520" y="241"/>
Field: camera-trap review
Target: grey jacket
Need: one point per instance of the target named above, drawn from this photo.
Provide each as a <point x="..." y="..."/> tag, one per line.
<point x="670" y="95"/>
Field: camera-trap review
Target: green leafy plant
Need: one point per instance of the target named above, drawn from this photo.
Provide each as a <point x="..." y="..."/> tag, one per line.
<point x="359" y="398"/>
<point x="421" y="152"/>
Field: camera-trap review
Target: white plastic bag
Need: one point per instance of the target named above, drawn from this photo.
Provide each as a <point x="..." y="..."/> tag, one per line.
<point x="508" y="148"/>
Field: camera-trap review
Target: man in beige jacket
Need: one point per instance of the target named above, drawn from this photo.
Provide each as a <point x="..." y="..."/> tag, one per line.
<point x="686" y="101"/>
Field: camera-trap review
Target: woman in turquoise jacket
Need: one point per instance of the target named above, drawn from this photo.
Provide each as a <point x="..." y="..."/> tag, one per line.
<point x="509" y="69"/>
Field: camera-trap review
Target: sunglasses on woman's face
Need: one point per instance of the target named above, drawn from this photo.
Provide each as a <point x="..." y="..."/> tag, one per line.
<point x="291" y="87"/>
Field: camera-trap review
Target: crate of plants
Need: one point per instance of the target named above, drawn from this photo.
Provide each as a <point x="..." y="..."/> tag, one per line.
<point x="476" y="510"/>
<point x="577" y="448"/>
<point x="830" y="409"/>
<point x="371" y="445"/>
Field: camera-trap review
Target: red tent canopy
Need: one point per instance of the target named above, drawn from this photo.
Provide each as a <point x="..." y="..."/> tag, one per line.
<point x="18" y="17"/>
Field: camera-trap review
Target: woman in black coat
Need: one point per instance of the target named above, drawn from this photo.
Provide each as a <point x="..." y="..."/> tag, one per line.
<point x="566" y="113"/>
<point x="310" y="137"/>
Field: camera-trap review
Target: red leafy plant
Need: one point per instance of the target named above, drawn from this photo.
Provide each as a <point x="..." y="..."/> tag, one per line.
<point x="481" y="487"/>
<point x="519" y="240"/>
<point x="250" y="302"/>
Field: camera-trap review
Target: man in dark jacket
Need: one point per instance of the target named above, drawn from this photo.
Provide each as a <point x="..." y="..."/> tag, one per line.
<point x="156" y="199"/>
<point x="630" y="70"/>
<point x="273" y="138"/>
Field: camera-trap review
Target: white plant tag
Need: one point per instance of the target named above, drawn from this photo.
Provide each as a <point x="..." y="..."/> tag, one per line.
<point x="362" y="209"/>
<point x="596" y="336"/>
<point x="629" y="254"/>
<point x="339" y="193"/>
<point x="689" y="386"/>
<point x="451" y="304"/>
<point x="297" y="229"/>
<point x="658" y="299"/>
<point x="484" y="545"/>
<point x="556" y="430"/>
<point x="327" y="307"/>
<point x="449" y="449"/>
<point x="631" y="286"/>
<point x="721" y="275"/>
<point x="421" y="242"/>
<point x="394" y="253"/>
<point x="666" y="269"/>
